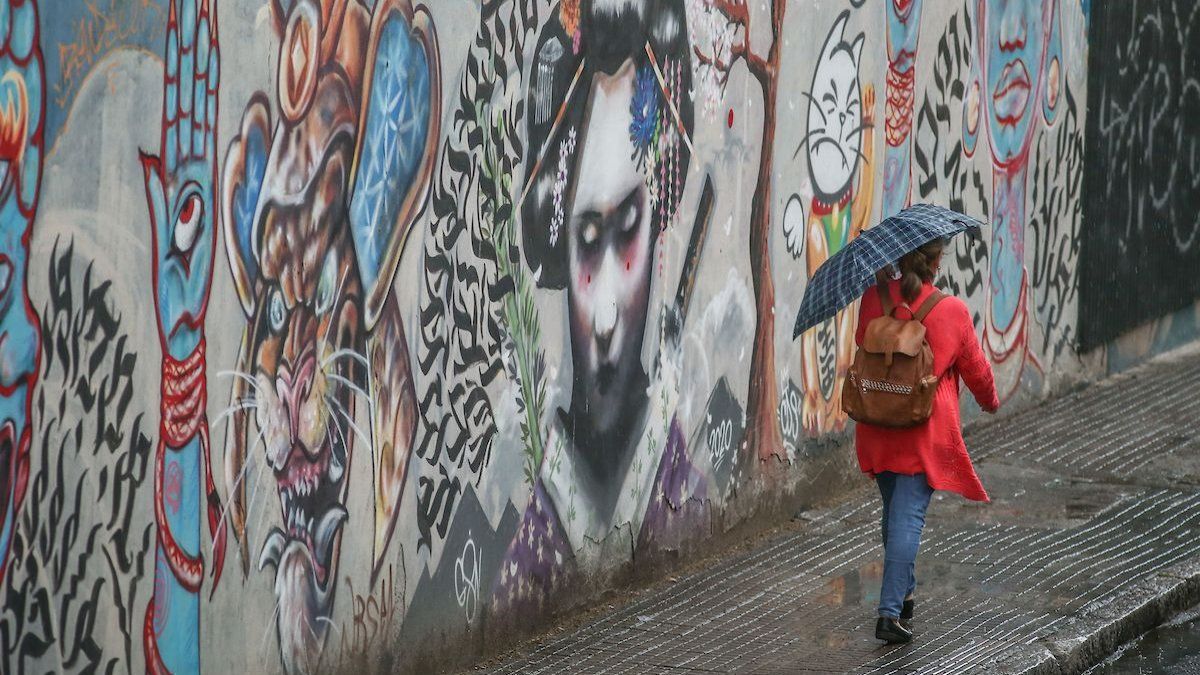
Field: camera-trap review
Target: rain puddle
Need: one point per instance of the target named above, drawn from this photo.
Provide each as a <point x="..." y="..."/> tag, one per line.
<point x="1171" y="648"/>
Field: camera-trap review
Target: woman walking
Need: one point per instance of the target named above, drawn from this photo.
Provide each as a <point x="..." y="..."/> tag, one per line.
<point x="910" y="463"/>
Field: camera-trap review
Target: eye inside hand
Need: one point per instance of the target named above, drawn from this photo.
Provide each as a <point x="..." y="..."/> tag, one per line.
<point x="187" y="224"/>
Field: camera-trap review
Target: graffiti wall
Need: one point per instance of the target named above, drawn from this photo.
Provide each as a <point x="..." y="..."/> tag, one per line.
<point x="1142" y="243"/>
<point x="363" y="332"/>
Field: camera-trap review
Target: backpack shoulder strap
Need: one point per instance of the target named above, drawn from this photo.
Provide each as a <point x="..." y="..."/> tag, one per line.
<point x="927" y="306"/>
<point x="885" y="299"/>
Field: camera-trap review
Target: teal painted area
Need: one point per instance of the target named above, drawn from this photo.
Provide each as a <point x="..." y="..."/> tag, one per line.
<point x="1170" y="332"/>
<point x="75" y="36"/>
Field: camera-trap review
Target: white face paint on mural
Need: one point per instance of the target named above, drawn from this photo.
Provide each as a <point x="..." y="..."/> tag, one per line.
<point x="609" y="255"/>
<point x="835" y="115"/>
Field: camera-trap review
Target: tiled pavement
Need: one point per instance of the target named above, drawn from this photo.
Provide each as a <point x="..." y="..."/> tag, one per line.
<point x="1091" y="493"/>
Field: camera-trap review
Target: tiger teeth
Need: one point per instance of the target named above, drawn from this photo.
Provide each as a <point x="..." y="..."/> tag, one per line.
<point x="302" y="486"/>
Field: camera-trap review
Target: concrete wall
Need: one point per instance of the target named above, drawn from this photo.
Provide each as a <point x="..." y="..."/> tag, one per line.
<point x="345" y="332"/>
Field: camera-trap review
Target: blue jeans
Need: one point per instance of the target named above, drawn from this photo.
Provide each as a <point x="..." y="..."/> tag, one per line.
<point x="905" y="500"/>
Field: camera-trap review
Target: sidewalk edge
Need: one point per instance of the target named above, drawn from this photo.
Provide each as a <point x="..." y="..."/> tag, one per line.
<point x="1103" y="625"/>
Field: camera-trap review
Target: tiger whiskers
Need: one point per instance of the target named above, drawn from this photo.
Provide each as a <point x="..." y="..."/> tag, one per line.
<point x="249" y="461"/>
<point x="337" y="408"/>
<point x="239" y="406"/>
<point x="343" y="354"/>
<point x="244" y="376"/>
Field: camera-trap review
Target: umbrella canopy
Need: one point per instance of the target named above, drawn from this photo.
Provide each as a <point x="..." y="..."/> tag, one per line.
<point x="843" y="278"/>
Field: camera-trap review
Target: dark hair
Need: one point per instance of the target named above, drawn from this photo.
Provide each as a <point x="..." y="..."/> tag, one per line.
<point x="608" y="34"/>
<point x="919" y="266"/>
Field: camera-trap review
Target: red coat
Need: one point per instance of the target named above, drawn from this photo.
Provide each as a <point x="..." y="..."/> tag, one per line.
<point x="936" y="447"/>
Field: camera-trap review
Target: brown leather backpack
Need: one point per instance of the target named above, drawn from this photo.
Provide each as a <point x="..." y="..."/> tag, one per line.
<point x="891" y="382"/>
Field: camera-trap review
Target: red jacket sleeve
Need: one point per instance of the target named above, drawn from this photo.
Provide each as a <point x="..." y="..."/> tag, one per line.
<point x="972" y="365"/>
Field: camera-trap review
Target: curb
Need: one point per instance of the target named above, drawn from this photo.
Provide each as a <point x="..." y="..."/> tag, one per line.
<point x="1099" y="628"/>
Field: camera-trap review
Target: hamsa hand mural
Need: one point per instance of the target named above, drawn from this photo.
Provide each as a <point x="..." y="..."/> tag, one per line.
<point x="181" y="191"/>
<point x="316" y="211"/>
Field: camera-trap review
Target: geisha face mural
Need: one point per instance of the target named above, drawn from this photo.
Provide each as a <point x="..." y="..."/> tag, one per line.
<point x="22" y="100"/>
<point x="609" y="248"/>
<point x="612" y="176"/>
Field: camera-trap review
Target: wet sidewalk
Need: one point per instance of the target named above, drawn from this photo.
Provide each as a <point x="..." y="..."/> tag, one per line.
<point x="1093" y="535"/>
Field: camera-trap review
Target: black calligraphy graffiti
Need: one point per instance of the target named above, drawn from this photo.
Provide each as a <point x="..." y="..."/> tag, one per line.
<point x="80" y="564"/>
<point x="1056" y="209"/>
<point x="942" y="170"/>
<point x="463" y="289"/>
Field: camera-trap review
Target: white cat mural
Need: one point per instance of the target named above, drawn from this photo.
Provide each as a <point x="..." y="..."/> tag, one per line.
<point x="839" y="142"/>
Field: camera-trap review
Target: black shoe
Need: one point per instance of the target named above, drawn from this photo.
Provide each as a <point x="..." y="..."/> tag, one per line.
<point x="891" y="631"/>
<point x="906" y="614"/>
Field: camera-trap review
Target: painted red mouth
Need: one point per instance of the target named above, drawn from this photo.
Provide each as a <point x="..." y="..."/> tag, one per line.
<point x="1015" y="44"/>
<point x="1011" y="95"/>
<point x="309" y="487"/>
<point x="903" y="8"/>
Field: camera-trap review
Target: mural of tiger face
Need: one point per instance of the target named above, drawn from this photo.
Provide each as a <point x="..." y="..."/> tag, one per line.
<point x="316" y="213"/>
<point x="304" y="316"/>
<point x="307" y="308"/>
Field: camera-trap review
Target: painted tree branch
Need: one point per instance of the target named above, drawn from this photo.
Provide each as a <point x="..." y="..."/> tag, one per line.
<point x="715" y="63"/>
<point x="736" y="11"/>
<point x="737" y="14"/>
<point x="763" y="435"/>
<point x="763" y="438"/>
<point x="759" y="67"/>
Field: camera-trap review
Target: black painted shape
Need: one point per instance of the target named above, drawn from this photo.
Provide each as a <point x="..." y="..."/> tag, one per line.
<point x="81" y="563"/>
<point x="724" y="423"/>
<point x="1140" y="248"/>
<point x="791" y="417"/>
<point x="435" y="609"/>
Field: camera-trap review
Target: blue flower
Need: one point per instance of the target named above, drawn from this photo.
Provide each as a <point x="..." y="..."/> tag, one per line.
<point x="643" y="110"/>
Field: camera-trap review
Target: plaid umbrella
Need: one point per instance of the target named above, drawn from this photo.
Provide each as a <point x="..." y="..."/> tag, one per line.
<point x="851" y="271"/>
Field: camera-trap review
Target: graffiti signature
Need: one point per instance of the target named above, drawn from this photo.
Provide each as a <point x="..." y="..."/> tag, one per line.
<point x="467" y="578"/>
